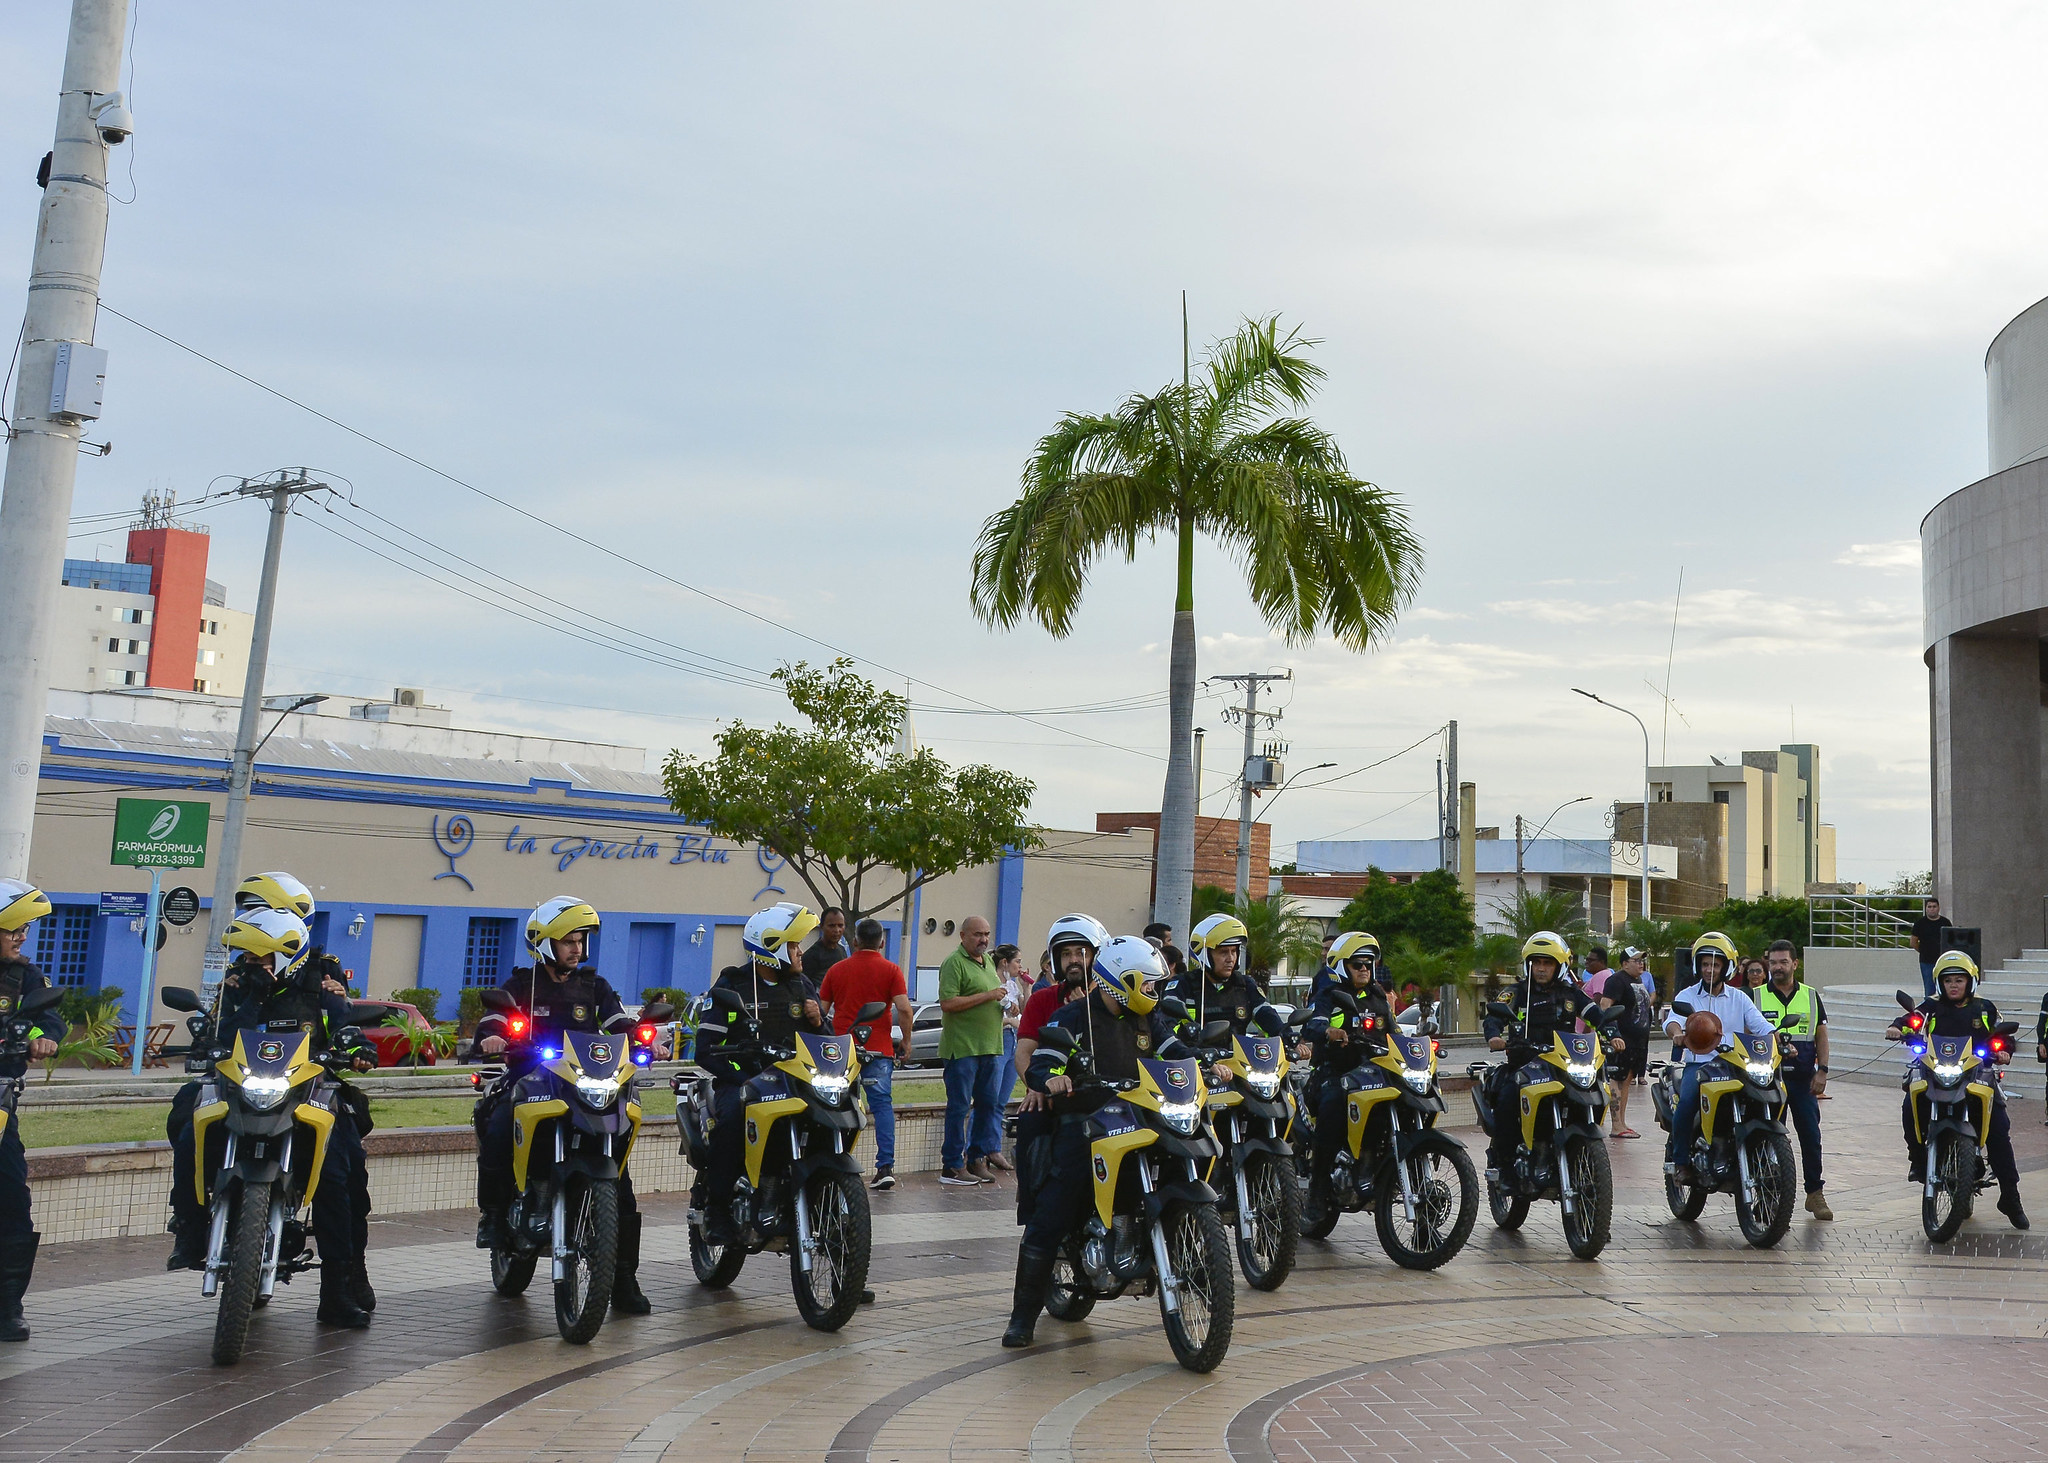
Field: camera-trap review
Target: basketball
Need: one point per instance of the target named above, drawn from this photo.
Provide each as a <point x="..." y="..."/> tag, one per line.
<point x="1702" y="1031"/>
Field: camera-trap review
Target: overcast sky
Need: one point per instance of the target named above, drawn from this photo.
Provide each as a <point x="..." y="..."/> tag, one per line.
<point x="776" y="299"/>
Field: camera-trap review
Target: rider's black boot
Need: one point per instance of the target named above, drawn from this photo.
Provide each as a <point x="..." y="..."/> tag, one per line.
<point x="1034" y="1282"/>
<point x="188" y="1252"/>
<point x="2009" y="1205"/>
<point x="336" y="1309"/>
<point x="359" y="1288"/>
<point x="17" y="1264"/>
<point x="1916" y="1162"/>
<point x="1318" y="1204"/>
<point x="626" y="1297"/>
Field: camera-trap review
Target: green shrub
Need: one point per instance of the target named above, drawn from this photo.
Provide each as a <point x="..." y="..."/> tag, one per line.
<point x="469" y="1009"/>
<point x="426" y="1000"/>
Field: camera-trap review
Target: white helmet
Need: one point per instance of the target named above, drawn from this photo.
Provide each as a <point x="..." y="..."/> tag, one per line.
<point x="276" y="890"/>
<point x="274" y="932"/>
<point x="1069" y="928"/>
<point x="21" y="904"/>
<point x="772" y="934"/>
<point x="1215" y="932"/>
<point x="556" y="919"/>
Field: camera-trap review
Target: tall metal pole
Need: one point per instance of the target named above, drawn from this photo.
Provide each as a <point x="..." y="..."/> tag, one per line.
<point x="228" y="871"/>
<point x="1521" y="886"/>
<point x="42" y="447"/>
<point x="1644" y="847"/>
<point x="1451" y="786"/>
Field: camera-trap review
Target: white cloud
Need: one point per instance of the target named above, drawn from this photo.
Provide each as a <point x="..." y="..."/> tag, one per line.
<point x="1899" y="554"/>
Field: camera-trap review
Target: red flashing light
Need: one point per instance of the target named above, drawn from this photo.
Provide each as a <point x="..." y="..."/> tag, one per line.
<point x="1998" y="1043"/>
<point x="1915" y="1021"/>
<point x="1436" y="1048"/>
<point x="1367" y="1024"/>
<point x="645" y="1035"/>
<point x="518" y="1025"/>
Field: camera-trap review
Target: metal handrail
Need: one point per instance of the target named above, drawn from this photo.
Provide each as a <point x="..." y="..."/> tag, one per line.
<point x="1862" y="921"/>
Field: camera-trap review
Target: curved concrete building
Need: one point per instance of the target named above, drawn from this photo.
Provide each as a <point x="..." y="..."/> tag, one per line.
<point x="1984" y="574"/>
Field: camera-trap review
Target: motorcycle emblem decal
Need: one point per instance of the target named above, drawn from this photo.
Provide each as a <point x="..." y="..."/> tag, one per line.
<point x="753" y="1133"/>
<point x="518" y="1135"/>
<point x="269" y="1051"/>
<point x="1262" y="1051"/>
<point x="1175" y="1077"/>
<point x="579" y="1012"/>
<point x="1144" y="1041"/>
<point x="1101" y="1170"/>
<point x="1353" y="1113"/>
<point x="600" y="1051"/>
<point x="830" y="1051"/>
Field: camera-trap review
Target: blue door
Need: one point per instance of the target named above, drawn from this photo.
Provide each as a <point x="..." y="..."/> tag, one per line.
<point x="650" y="955"/>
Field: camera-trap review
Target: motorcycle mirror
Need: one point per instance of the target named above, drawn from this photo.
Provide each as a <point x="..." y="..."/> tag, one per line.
<point x="495" y="999"/>
<point x="359" y="1016"/>
<point x="872" y="1011"/>
<point x="41" y="1000"/>
<point x="1681" y="1008"/>
<point x="657" y="1011"/>
<point x="1058" y="1038"/>
<point x="1268" y="1021"/>
<point x="1216" y="1033"/>
<point x="1905" y="1000"/>
<point x="1500" y="1011"/>
<point x="1345" y="1001"/>
<point x="1173" y="1008"/>
<point x="1297" y="1016"/>
<point x="617" y="1023"/>
<point x="178" y="998"/>
<point x="2006" y="1028"/>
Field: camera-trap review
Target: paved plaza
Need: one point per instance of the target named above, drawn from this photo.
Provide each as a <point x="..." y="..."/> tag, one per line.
<point x="1853" y="1340"/>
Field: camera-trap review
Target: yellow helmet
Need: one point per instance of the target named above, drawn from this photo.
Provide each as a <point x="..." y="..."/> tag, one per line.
<point x="275" y="891"/>
<point x="276" y="932"/>
<point x="1122" y="968"/>
<point x="1215" y="932"/>
<point x="558" y="918"/>
<point x="1950" y="960"/>
<point x="1721" y="945"/>
<point x="1547" y="943"/>
<point x="772" y="935"/>
<point x="1350" y="945"/>
<point x="21" y="904"/>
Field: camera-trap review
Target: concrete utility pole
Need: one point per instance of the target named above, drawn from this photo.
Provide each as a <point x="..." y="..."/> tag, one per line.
<point x="1249" y="713"/>
<point x="59" y="392"/>
<point x="1451" y="785"/>
<point x="280" y="488"/>
<point x="1468" y="832"/>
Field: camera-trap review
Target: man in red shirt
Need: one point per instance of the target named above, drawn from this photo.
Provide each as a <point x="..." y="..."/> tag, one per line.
<point x="869" y="975"/>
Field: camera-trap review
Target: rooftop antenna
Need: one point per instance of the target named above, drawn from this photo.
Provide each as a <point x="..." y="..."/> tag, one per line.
<point x="1671" y="651"/>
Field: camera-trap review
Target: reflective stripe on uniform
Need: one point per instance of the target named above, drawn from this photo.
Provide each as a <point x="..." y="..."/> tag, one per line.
<point x="1802" y="1006"/>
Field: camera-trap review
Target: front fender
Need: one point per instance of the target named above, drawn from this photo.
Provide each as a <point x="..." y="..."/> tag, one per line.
<point x="801" y="1169"/>
<point x="1410" y="1139"/>
<point x="1182" y="1191"/>
<point x="1748" y="1126"/>
<point x="1265" y="1145"/>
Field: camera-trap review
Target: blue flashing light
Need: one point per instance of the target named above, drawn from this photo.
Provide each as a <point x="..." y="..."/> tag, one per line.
<point x="1917" y="1049"/>
<point x="549" y="1053"/>
<point x="641" y="1058"/>
<point x="1984" y="1053"/>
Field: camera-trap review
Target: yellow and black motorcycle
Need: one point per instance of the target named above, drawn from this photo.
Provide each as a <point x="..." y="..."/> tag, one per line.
<point x="1418" y="1181"/>
<point x="1953" y="1083"/>
<point x="800" y="1190"/>
<point x="1153" y="1228"/>
<point x="17" y="1031"/>
<point x="1559" y="1099"/>
<point x="267" y="1108"/>
<point x="575" y="1114"/>
<point x="1740" y="1146"/>
<point x="1250" y="1115"/>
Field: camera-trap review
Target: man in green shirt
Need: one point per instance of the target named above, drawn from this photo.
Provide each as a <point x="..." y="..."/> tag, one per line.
<point x="971" y="1046"/>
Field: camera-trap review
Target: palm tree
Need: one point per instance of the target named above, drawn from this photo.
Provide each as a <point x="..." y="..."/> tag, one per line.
<point x="1320" y="549"/>
<point x="1278" y="931"/>
<point x="1556" y="910"/>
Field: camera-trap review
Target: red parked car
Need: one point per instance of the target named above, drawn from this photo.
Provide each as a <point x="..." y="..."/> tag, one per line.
<point x="386" y="1031"/>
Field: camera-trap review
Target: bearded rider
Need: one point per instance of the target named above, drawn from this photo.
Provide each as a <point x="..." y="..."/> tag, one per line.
<point x="1713" y="957"/>
<point x="1117" y="1022"/>
<point x="1955" y="1009"/>
<point x="1072" y="942"/>
<point x="1542" y="1005"/>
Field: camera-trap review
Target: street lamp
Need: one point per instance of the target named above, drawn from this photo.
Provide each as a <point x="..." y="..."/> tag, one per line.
<point x="1521" y="842"/>
<point x="1644" y="852"/>
<point x="1244" y="830"/>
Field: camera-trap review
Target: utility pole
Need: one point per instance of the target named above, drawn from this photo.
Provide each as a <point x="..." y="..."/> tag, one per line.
<point x="1453" y="847"/>
<point x="1521" y="884"/>
<point x="280" y="488"/>
<point x="61" y="374"/>
<point x="1249" y="713"/>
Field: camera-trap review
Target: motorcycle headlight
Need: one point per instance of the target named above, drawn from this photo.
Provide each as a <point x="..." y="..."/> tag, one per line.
<point x="1263" y="1084"/>
<point x="1581" y="1074"/>
<point x="1761" y="1073"/>
<point x="264" y="1093"/>
<point x="598" y="1091"/>
<point x="832" y="1091"/>
<point x="1948" y="1074"/>
<point x="1182" y="1117"/>
<point x="1417" y="1080"/>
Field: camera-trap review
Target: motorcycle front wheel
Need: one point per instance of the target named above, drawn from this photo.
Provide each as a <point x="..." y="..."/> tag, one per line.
<point x="1686" y="1201"/>
<point x="1069" y="1298"/>
<point x="511" y="1273"/>
<point x="1446" y="1190"/>
<point x="1588" y="1226"/>
<point x="1273" y="1220"/>
<point x="841" y="1240"/>
<point x="584" y="1293"/>
<point x="1955" y="1187"/>
<point x="1198" y="1327"/>
<point x="248" y="1234"/>
<point x="1765" y="1221"/>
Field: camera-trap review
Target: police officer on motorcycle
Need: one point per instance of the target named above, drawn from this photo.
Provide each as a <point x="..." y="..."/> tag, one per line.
<point x="1117" y="1022"/>
<point x="1335" y="1047"/>
<point x="1217" y="986"/>
<point x="1541" y="1006"/>
<point x="558" y="992"/>
<point x="21" y="905"/>
<point x="1955" y="1009"/>
<point x="270" y="988"/>
<point x="1072" y="942"/>
<point x="779" y="1000"/>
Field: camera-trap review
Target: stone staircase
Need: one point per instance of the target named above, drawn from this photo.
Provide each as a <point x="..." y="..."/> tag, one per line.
<point x="1858" y="1015"/>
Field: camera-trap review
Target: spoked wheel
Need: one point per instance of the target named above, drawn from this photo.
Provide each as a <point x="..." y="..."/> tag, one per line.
<point x="1509" y="1210"/>
<point x="1446" y="1190"/>
<point x="841" y="1235"/>
<point x="511" y="1272"/>
<point x="1685" y="1200"/>
<point x="1587" y="1227"/>
<point x="1271" y="1224"/>
<point x="1765" y="1219"/>
<point x="1069" y="1299"/>
<point x="1955" y="1187"/>
<point x="248" y="1234"/>
<point x="584" y="1293"/>
<point x="1198" y="1327"/>
<point x="717" y="1266"/>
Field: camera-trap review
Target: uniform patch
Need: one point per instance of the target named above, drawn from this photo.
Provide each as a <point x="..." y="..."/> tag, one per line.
<point x="305" y="1026"/>
<point x="1144" y="1041"/>
<point x="1101" y="1170"/>
<point x="269" y="1051"/>
<point x="796" y="1010"/>
<point x="600" y="1051"/>
<point x="1242" y="1013"/>
<point x="6" y="1003"/>
<point x="579" y="1013"/>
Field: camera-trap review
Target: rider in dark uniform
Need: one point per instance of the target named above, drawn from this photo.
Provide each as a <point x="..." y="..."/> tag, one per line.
<point x="1543" y="1004"/>
<point x="1217" y="986"/>
<point x="557" y="993"/>
<point x="1335" y="1048"/>
<point x="21" y="905"/>
<point x="1955" y="1009"/>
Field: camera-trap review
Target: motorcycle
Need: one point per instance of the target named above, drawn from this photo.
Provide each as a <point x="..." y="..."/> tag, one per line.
<point x="1249" y="1114"/>
<point x="267" y="1107"/>
<point x="1562" y="1095"/>
<point x="16" y="1032"/>
<point x="1953" y="1083"/>
<point x="1418" y="1182"/>
<point x="575" y="1116"/>
<point x="1741" y="1147"/>
<point x="1153" y="1227"/>
<point x="800" y="1190"/>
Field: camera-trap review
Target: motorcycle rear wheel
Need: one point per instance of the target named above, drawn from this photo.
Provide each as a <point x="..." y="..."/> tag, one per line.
<point x="248" y="1234"/>
<point x="1446" y="1204"/>
<point x="1590" y="1224"/>
<point x="1771" y="1164"/>
<point x="842" y="1237"/>
<point x="511" y="1272"/>
<point x="1955" y="1187"/>
<point x="1267" y="1256"/>
<point x="1069" y="1299"/>
<point x="1198" y="1329"/>
<point x="584" y="1293"/>
<point x="1508" y="1210"/>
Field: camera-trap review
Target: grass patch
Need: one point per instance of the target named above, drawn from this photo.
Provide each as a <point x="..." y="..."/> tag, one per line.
<point x="65" y="1127"/>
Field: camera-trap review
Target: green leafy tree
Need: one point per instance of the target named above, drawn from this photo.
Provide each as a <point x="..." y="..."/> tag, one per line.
<point x="1495" y="960"/>
<point x="1430" y="909"/>
<point x="839" y="802"/>
<point x="1278" y="932"/>
<point x="1557" y="910"/>
<point x="1759" y="922"/>
<point x="426" y="1001"/>
<point x="1419" y="973"/>
<point x="92" y="1018"/>
<point x="1216" y="454"/>
<point x="1210" y="899"/>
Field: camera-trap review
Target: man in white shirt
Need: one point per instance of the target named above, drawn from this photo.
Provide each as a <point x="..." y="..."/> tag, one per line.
<point x="1713" y="956"/>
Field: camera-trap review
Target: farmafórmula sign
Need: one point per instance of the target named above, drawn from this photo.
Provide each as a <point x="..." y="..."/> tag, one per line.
<point x="151" y="833"/>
